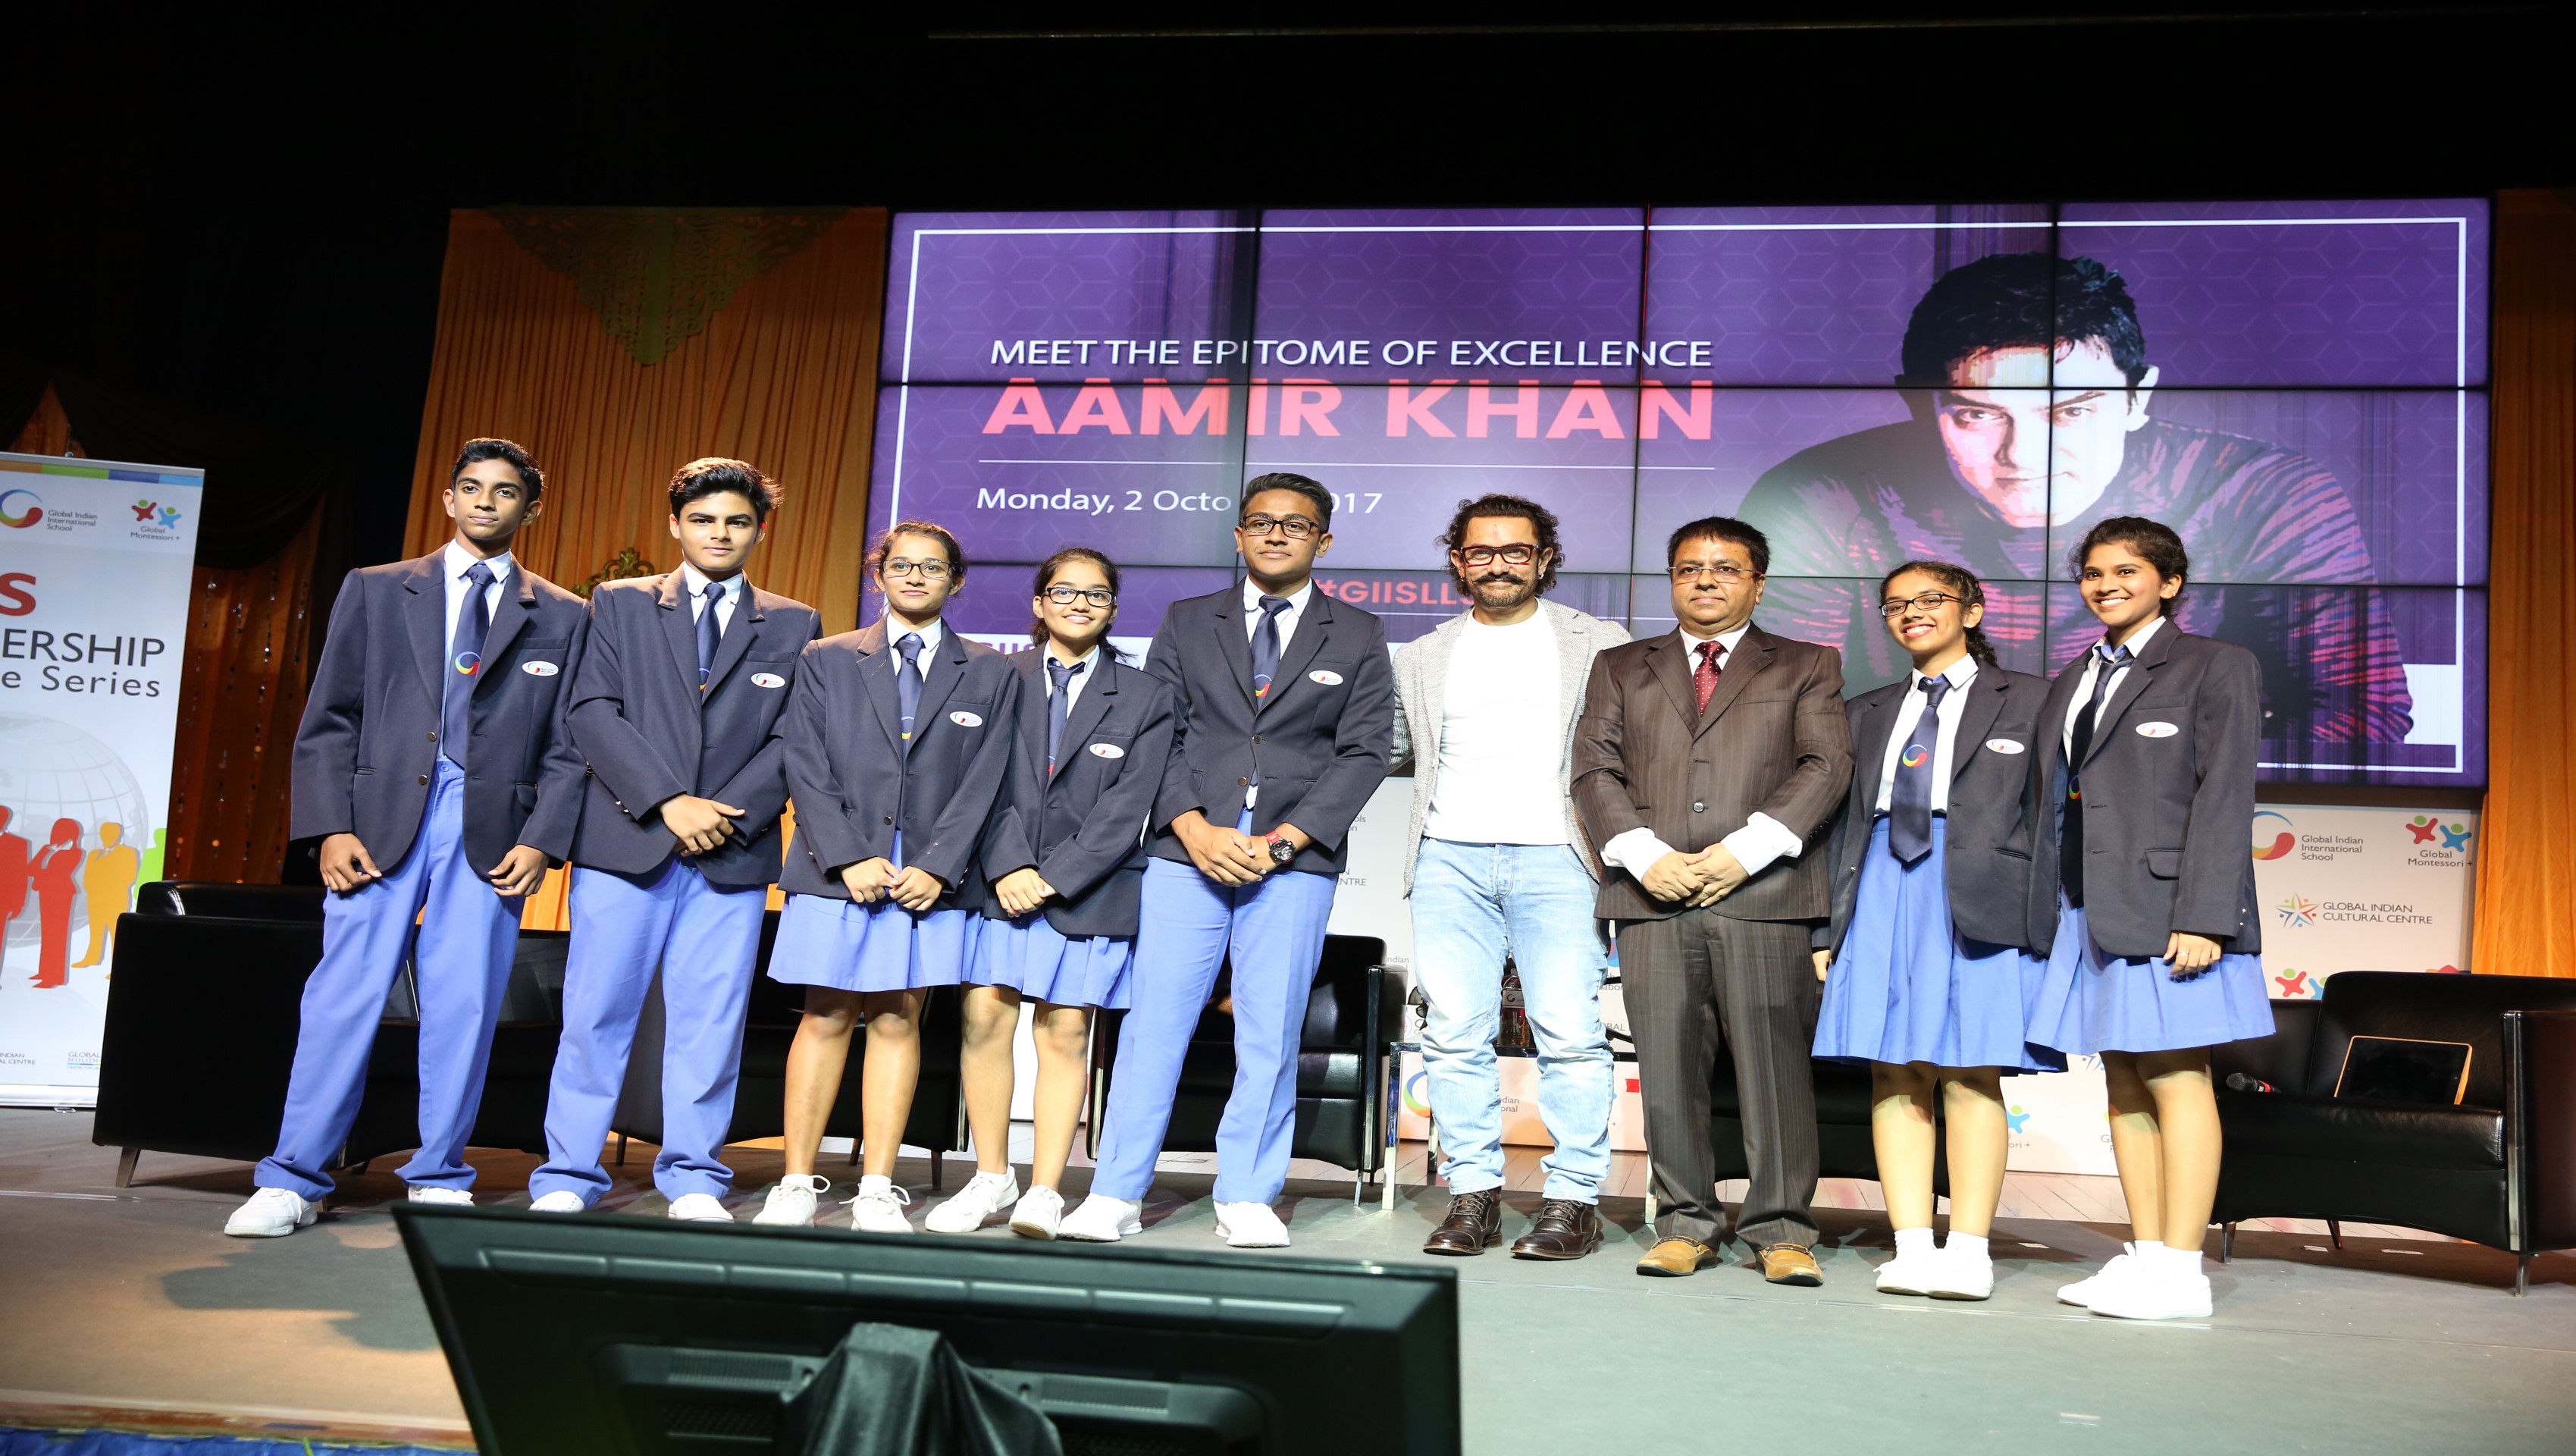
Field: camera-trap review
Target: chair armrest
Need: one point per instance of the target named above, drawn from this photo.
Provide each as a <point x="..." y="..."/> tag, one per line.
<point x="2281" y="1058"/>
<point x="2540" y="1126"/>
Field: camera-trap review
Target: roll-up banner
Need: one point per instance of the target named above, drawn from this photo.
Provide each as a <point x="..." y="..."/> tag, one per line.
<point x="95" y="564"/>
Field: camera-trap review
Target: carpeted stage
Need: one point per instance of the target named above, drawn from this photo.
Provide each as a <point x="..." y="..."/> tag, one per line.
<point x="129" y="1309"/>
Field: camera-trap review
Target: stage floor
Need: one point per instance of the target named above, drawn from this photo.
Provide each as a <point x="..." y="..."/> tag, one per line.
<point x="132" y="1300"/>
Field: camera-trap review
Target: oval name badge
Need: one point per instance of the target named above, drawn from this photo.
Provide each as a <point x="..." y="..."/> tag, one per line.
<point x="2002" y="745"/>
<point x="1107" y="750"/>
<point x="539" y="669"/>
<point x="966" y="720"/>
<point x="1324" y="675"/>
<point x="2157" y="730"/>
<point x="767" y="680"/>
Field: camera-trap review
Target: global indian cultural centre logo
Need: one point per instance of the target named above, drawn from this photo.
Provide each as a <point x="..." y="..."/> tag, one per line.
<point x="2298" y="912"/>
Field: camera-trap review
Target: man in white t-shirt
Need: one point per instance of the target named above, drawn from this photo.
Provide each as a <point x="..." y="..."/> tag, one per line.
<point x="1499" y="871"/>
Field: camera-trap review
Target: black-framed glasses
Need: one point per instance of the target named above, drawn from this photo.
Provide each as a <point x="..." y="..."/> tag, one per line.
<point x="926" y="570"/>
<point x="1726" y="572"/>
<point x="1295" y="528"/>
<point x="1516" y="554"/>
<point x="1065" y="596"/>
<point x="1927" y="601"/>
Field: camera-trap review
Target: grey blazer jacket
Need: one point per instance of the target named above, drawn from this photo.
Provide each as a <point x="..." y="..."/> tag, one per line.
<point x="1083" y="828"/>
<point x="2168" y="799"/>
<point x="1422" y="681"/>
<point x="854" y="783"/>
<point x="369" y="740"/>
<point x="1319" y="741"/>
<point x="1775" y="740"/>
<point x="1993" y="805"/>
<point x="648" y="733"/>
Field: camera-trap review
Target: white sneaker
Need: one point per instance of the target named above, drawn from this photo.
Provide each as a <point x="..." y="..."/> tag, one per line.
<point x="984" y="1195"/>
<point x="879" y="1207"/>
<point x="1102" y="1220"/>
<point x="699" y="1208"/>
<point x="1250" y="1226"/>
<point x="562" y="1200"/>
<point x="2083" y="1292"/>
<point x="1041" y="1209"/>
<point x="793" y="1200"/>
<point x="2158" y="1295"/>
<point x="450" y="1197"/>
<point x="1962" y="1275"/>
<point x="1909" y="1274"/>
<point x="272" y="1213"/>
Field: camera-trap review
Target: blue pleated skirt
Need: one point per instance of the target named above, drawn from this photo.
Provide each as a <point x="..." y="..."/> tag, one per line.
<point x="1907" y="987"/>
<point x="2090" y="1002"/>
<point x="881" y="947"/>
<point x="1037" y="960"/>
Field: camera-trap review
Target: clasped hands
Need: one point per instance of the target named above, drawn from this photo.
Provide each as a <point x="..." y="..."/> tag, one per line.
<point x="699" y="824"/>
<point x="1229" y="856"/>
<point x="912" y="887"/>
<point x="347" y="867"/>
<point x="1694" y="879"/>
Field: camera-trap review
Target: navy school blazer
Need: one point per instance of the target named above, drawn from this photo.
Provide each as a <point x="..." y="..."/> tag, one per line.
<point x="1083" y="829"/>
<point x="2168" y="799"/>
<point x="1320" y="742"/>
<point x="1992" y="805"/>
<point x="368" y="744"/>
<point x="648" y="733"/>
<point x="854" y="783"/>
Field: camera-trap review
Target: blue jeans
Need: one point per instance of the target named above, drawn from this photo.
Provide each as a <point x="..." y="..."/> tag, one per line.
<point x="1473" y="905"/>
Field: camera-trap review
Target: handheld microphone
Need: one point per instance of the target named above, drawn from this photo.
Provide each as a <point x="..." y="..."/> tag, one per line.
<point x="2247" y="1082"/>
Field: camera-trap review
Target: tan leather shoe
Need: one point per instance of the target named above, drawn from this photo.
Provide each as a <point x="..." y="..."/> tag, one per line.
<point x="1791" y="1264"/>
<point x="1676" y="1259"/>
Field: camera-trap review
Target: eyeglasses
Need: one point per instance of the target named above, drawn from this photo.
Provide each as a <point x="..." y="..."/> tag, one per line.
<point x="1065" y="596"/>
<point x="1295" y="528"/>
<point x="926" y="570"/>
<point x="1927" y="601"/>
<point x="1727" y="573"/>
<point x="1516" y="554"/>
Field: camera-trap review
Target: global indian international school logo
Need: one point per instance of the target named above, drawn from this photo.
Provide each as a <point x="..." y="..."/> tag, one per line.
<point x="20" y="509"/>
<point x="2282" y="842"/>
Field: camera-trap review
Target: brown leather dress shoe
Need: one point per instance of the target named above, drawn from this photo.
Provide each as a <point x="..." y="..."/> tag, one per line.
<point x="1791" y="1264"/>
<point x="1474" y="1224"/>
<point x="1565" y="1230"/>
<point x="1676" y="1258"/>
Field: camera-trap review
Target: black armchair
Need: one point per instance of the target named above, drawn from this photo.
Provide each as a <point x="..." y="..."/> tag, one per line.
<point x="2498" y="1169"/>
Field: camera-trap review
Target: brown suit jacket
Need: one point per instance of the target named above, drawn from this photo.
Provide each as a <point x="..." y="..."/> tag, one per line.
<point x="1775" y="740"/>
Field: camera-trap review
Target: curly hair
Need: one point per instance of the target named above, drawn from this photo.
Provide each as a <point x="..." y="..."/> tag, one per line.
<point x="1498" y="506"/>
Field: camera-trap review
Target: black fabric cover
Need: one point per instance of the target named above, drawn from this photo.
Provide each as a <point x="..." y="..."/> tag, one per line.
<point x="891" y="1390"/>
<point x="2394" y="1135"/>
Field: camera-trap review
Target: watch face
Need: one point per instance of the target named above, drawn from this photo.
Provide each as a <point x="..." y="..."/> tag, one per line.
<point x="1281" y="851"/>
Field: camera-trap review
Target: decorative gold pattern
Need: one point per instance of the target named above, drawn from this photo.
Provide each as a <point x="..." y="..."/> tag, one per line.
<point x="656" y="275"/>
<point x="625" y="565"/>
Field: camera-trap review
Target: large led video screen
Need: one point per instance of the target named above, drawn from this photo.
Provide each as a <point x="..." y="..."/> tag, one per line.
<point x="2299" y="388"/>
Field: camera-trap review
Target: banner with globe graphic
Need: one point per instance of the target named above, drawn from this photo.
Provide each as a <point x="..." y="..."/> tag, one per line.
<point x="95" y="567"/>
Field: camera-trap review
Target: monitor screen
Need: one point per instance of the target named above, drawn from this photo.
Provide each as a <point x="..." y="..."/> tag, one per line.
<point x="2298" y="388"/>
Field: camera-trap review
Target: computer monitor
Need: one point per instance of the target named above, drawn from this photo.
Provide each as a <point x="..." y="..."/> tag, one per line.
<point x="644" y="1336"/>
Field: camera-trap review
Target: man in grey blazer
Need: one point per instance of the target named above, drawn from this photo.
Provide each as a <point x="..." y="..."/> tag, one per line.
<point x="1499" y="871"/>
<point x="1708" y="760"/>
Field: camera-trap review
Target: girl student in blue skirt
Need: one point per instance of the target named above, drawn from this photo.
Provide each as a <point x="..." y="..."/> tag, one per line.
<point x="1926" y="963"/>
<point x="897" y="741"/>
<point x="1065" y="858"/>
<point x="2147" y="751"/>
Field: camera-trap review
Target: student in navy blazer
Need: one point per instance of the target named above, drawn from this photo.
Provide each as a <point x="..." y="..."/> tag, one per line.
<point x="1930" y="973"/>
<point x="680" y="691"/>
<point x="898" y="739"/>
<point x="1065" y="859"/>
<point x="1286" y="712"/>
<point x="2148" y="744"/>
<point x="433" y="764"/>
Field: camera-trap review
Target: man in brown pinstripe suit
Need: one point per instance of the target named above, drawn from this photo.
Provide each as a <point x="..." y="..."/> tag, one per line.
<point x="1706" y="762"/>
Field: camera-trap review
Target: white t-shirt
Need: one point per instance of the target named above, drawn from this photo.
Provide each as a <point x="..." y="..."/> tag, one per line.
<point x="1502" y="726"/>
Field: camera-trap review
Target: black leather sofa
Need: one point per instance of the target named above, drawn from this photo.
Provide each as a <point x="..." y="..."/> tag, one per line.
<point x="2498" y="1169"/>
<point x="1352" y="1018"/>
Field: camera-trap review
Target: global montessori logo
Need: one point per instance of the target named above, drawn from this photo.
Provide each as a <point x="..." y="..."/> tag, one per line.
<point x="2283" y="841"/>
<point x="20" y="508"/>
<point x="2452" y="836"/>
<point x="2298" y="912"/>
<point x="153" y="513"/>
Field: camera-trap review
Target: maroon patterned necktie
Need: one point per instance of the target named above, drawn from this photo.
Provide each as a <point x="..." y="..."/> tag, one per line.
<point x="1704" y="677"/>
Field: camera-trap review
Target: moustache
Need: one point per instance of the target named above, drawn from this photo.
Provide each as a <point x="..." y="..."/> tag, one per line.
<point x="1500" y="578"/>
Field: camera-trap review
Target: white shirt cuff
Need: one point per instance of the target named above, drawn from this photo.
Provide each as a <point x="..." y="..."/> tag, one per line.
<point x="1635" y="851"/>
<point x="1762" y="840"/>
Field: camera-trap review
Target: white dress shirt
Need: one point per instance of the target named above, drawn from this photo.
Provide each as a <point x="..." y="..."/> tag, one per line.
<point x="930" y="636"/>
<point x="1089" y="662"/>
<point x="1501" y="722"/>
<point x="1762" y="838"/>
<point x="2083" y="698"/>
<point x="696" y="583"/>
<point x="1288" y="619"/>
<point x="459" y="561"/>
<point x="1909" y="712"/>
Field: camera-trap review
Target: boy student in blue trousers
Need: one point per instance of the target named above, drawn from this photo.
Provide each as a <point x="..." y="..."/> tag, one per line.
<point x="680" y="688"/>
<point x="434" y="764"/>
<point x="898" y="739"/>
<point x="1286" y="713"/>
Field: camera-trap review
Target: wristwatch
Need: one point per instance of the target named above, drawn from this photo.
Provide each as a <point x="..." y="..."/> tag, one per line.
<point x="1281" y="851"/>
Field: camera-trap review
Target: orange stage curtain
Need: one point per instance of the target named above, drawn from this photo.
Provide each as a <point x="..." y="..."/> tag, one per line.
<point x="781" y="373"/>
<point x="2526" y="907"/>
